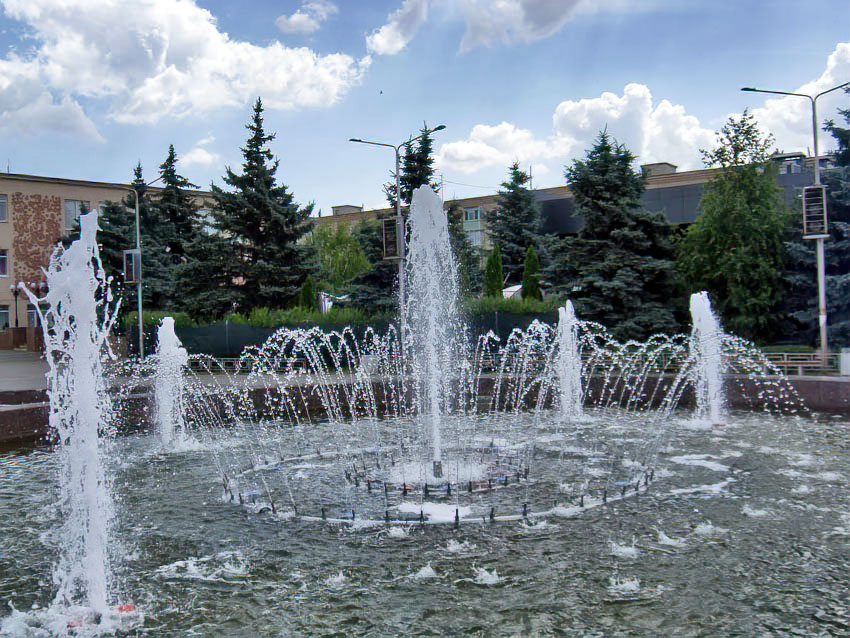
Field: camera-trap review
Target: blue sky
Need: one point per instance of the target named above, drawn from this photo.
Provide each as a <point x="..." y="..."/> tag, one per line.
<point x="89" y="87"/>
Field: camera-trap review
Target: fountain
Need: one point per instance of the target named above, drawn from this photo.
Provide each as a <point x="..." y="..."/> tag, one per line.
<point x="427" y="489"/>
<point x="707" y="345"/>
<point x="171" y="359"/>
<point x="76" y="324"/>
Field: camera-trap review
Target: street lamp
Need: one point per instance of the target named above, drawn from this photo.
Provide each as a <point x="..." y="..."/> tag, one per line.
<point x="139" y="253"/>
<point x="16" y="290"/>
<point x="400" y="234"/>
<point x="820" y="238"/>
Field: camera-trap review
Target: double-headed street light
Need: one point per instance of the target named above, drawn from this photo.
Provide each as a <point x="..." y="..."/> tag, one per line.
<point x="400" y="234"/>
<point x="822" y="233"/>
<point x="135" y="264"/>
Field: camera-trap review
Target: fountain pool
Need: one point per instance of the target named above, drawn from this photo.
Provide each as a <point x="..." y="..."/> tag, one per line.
<point x="743" y="531"/>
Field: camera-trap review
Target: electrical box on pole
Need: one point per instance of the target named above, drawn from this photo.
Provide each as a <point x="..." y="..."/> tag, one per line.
<point x="391" y="239"/>
<point x="814" y="213"/>
<point x="132" y="266"/>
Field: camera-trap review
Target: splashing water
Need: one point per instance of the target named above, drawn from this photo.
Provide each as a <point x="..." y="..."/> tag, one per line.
<point x="707" y="347"/>
<point x="171" y="359"/>
<point x="431" y="313"/>
<point x="569" y="363"/>
<point x="76" y="324"/>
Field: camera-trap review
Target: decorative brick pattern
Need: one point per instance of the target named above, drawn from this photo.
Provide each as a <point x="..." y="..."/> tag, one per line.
<point x="37" y="221"/>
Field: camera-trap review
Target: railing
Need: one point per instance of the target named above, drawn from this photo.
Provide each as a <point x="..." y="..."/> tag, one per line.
<point x="805" y="363"/>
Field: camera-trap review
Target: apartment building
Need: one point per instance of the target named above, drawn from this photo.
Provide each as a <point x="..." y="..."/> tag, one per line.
<point x="668" y="191"/>
<point x="35" y="212"/>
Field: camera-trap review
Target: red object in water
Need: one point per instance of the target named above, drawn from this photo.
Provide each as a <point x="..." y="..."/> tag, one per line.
<point x="75" y="623"/>
<point x="126" y="607"/>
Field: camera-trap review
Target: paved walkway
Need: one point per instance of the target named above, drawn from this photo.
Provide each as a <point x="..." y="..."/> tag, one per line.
<point x="22" y="371"/>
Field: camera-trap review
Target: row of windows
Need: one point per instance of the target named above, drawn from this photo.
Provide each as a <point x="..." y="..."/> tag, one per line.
<point x="73" y="208"/>
<point x="6" y="319"/>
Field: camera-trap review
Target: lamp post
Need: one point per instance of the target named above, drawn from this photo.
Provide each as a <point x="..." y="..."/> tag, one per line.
<point x="820" y="239"/>
<point x="139" y="282"/>
<point x="400" y="234"/>
<point x="16" y="290"/>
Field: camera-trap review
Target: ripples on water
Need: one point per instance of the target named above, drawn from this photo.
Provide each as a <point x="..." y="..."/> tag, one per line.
<point x="744" y="532"/>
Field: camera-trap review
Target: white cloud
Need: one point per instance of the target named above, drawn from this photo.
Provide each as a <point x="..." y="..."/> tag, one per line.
<point x="167" y="58"/>
<point x="401" y="26"/>
<point x="509" y="21"/>
<point x="790" y="118"/>
<point x="653" y="132"/>
<point x="199" y="156"/>
<point x="28" y="108"/>
<point x="308" y="18"/>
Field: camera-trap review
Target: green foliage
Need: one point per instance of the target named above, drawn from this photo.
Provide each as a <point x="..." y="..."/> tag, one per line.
<point x="466" y="256"/>
<point x="515" y="223"/>
<point x="264" y="224"/>
<point x="735" y="249"/>
<point x="339" y="256"/>
<point x="275" y="317"/>
<point x="129" y="320"/>
<point x="493" y="276"/>
<point x="740" y="143"/>
<point x="307" y="298"/>
<point x="417" y="168"/>
<point x="486" y="305"/>
<point x="374" y="290"/>
<point x="618" y="271"/>
<point x="530" y="285"/>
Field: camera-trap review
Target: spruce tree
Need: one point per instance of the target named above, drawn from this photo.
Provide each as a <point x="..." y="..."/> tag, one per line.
<point x="618" y="271"/>
<point x="493" y="274"/>
<point x="374" y="290"/>
<point x="530" y="285"/>
<point x="170" y="223"/>
<point x="307" y="298"/>
<point x="417" y="168"/>
<point x="515" y="223"/>
<point x="264" y="223"/>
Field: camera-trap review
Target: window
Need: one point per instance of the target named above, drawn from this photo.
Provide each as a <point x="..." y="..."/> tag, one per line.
<point x="472" y="214"/>
<point x="476" y="237"/>
<point x="4" y="208"/>
<point x="4" y="262"/>
<point x="33" y="318"/>
<point x="4" y="317"/>
<point x="73" y="208"/>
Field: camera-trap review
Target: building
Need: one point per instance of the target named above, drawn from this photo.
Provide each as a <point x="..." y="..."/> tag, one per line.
<point x="668" y="191"/>
<point x="35" y="212"/>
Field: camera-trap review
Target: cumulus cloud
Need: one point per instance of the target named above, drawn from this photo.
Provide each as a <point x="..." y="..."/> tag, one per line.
<point x="200" y="156"/>
<point x="400" y="28"/>
<point x="509" y="21"/>
<point x="653" y="131"/>
<point x="169" y="59"/>
<point x="308" y="18"/>
<point x="789" y="118"/>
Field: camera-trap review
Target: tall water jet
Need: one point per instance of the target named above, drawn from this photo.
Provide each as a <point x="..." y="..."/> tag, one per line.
<point x="569" y="363"/>
<point x="76" y="322"/>
<point x="431" y="313"/>
<point x="171" y="359"/>
<point x="707" y="351"/>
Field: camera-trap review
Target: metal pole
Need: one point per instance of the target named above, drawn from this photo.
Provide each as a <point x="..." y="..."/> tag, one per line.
<point x="139" y="282"/>
<point x="819" y="248"/>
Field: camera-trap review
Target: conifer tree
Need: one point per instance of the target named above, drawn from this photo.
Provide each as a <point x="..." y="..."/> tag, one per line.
<point x="530" y="285"/>
<point x="493" y="274"/>
<point x="307" y="297"/>
<point x="374" y="290"/>
<point x="417" y="168"/>
<point x="515" y="224"/>
<point x="618" y="271"/>
<point x="264" y="223"/>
